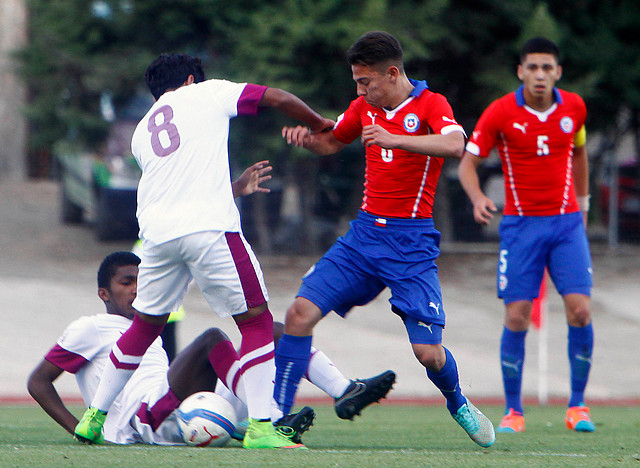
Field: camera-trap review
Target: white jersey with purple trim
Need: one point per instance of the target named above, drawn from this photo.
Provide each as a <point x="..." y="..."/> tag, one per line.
<point x="83" y="350"/>
<point x="181" y="146"/>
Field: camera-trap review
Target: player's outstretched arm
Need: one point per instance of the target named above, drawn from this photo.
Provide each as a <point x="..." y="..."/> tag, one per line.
<point x="319" y="143"/>
<point x="251" y="179"/>
<point x="450" y="145"/>
<point x="295" y="108"/>
<point x="483" y="206"/>
<point x="41" y="388"/>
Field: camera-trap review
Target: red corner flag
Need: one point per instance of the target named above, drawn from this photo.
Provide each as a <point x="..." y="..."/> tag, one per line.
<point x="538" y="309"/>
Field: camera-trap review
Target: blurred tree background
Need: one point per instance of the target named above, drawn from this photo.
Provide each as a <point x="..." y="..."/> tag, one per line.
<point x="85" y="51"/>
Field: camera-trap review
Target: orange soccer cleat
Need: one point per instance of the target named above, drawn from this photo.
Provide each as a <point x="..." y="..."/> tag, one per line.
<point x="513" y="421"/>
<point x="579" y="419"/>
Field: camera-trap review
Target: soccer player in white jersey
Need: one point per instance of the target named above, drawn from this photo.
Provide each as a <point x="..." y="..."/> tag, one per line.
<point x="190" y="228"/>
<point x="144" y="410"/>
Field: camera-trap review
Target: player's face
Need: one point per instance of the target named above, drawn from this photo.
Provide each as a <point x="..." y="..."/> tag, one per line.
<point x="122" y="291"/>
<point x="539" y="73"/>
<point x="371" y="84"/>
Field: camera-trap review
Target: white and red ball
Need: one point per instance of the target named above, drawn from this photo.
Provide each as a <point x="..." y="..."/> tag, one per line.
<point x="206" y="420"/>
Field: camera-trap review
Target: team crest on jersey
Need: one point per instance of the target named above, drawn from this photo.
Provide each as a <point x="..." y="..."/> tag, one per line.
<point x="566" y="124"/>
<point x="411" y="123"/>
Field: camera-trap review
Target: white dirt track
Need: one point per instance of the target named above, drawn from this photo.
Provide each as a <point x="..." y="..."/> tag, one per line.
<point x="48" y="278"/>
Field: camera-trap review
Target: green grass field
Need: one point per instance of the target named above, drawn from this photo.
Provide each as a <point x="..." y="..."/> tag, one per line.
<point x="386" y="436"/>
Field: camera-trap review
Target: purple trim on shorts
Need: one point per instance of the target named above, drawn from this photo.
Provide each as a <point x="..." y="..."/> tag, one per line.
<point x="159" y="411"/>
<point x="247" y="273"/>
<point x="65" y="360"/>
<point x="250" y="98"/>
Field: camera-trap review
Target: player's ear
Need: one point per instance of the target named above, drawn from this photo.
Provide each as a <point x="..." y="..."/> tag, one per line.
<point x="519" y="72"/>
<point x="559" y="73"/>
<point x="104" y="294"/>
<point x="393" y="72"/>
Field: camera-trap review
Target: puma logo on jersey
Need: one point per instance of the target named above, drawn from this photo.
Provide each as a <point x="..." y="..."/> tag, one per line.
<point x="521" y="127"/>
<point x="426" y="325"/>
<point x="435" y="306"/>
<point x="372" y="116"/>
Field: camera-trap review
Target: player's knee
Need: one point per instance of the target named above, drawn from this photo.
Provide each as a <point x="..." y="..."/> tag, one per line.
<point x="432" y="358"/>
<point x="212" y="337"/>
<point x="579" y="316"/>
<point x="299" y="320"/>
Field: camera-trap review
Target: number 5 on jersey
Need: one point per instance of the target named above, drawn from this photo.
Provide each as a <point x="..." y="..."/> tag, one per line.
<point x="165" y="138"/>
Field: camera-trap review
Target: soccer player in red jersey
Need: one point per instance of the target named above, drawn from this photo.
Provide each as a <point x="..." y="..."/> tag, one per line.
<point x="540" y="136"/>
<point x="407" y="131"/>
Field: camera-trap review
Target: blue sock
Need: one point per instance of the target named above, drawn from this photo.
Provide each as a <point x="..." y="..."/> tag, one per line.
<point x="580" y="347"/>
<point x="512" y="360"/>
<point x="448" y="383"/>
<point x="292" y="360"/>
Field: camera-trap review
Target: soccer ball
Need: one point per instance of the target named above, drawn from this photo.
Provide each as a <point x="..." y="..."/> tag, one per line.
<point x="206" y="419"/>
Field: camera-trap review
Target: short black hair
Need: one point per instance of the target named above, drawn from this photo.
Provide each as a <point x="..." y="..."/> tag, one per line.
<point x="111" y="263"/>
<point x="375" y="47"/>
<point x="539" y="45"/>
<point x="170" y="71"/>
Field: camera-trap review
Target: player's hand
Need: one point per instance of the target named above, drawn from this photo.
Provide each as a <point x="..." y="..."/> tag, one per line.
<point x="251" y="179"/>
<point x="327" y="124"/>
<point x="483" y="209"/>
<point x="296" y="136"/>
<point x="376" y="135"/>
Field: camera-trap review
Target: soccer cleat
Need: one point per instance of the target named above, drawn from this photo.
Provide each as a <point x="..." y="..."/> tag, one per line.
<point x="513" y="421"/>
<point x="292" y="426"/>
<point x="89" y="429"/>
<point x="263" y="435"/>
<point x="476" y="424"/>
<point x="362" y="392"/>
<point x="240" y="430"/>
<point x="579" y="419"/>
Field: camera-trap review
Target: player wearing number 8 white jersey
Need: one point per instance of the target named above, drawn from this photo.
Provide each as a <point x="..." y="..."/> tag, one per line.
<point x="190" y="228"/>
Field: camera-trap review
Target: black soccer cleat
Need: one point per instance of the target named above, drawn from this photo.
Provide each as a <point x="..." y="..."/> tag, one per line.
<point x="362" y="392"/>
<point x="294" y="425"/>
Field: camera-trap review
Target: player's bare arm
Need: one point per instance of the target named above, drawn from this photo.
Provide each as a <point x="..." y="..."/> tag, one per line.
<point x="323" y="142"/>
<point x="483" y="206"/>
<point x="41" y="388"/>
<point x="295" y="108"/>
<point x="581" y="178"/>
<point x="251" y="180"/>
<point x="441" y="146"/>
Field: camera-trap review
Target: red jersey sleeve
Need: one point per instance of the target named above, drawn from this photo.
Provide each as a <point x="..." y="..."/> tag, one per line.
<point x="348" y="125"/>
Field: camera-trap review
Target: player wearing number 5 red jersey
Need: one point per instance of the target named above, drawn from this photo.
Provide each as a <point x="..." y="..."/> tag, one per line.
<point x="190" y="228"/>
<point x="540" y="136"/>
<point x="407" y="131"/>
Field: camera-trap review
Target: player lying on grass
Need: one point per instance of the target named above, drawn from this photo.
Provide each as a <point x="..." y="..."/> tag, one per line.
<point x="144" y="411"/>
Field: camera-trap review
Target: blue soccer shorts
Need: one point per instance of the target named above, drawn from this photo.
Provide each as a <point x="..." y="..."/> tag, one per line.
<point x="529" y="244"/>
<point x="376" y="253"/>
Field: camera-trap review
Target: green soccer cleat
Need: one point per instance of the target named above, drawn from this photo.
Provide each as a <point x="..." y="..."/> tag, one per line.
<point x="263" y="435"/>
<point x="476" y="424"/>
<point x="89" y="429"/>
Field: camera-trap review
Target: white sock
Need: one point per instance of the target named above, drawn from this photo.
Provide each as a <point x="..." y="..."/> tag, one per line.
<point x="325" y="375"/>
<point x="111" y="384"/>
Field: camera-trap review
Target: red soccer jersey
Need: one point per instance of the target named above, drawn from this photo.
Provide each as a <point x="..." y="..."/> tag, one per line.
<point x="536" y="149"/>
<point x="399" y="183"/>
